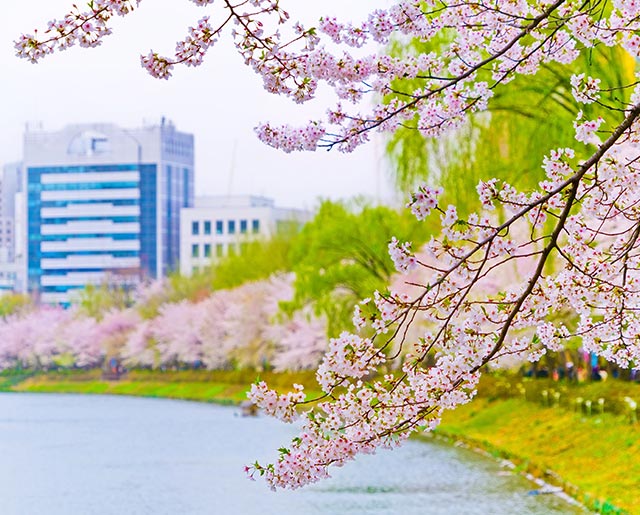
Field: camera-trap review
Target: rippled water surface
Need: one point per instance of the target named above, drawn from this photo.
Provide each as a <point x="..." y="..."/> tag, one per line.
<point x="85" y="455"/>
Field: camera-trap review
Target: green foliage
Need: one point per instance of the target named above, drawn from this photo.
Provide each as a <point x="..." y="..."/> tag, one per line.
<point x="341" y="257"/>
<point x="151" y="305"/>
<point x="11" y="303"/>
<point x="96" y="300"/>
<point x="524" y="122"/>
<point x="258" y="260"/>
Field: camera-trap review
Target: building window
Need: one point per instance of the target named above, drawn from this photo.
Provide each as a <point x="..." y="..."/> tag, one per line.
<point x="255" y="226"/>
<point x="219" y="250"/>
<point x="195" y="250"/>
<point x="219" y="227"/>
<point x="207" y="250"/>
<point x="243" y="226"/>
<point x="231" y="227"/>
<point x="207" y="227"/>
<point x="195" y="228"/>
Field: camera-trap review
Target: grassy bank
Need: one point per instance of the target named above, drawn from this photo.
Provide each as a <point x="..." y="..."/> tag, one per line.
<point x="594" y="456"/>
<point x="204" y="386"/>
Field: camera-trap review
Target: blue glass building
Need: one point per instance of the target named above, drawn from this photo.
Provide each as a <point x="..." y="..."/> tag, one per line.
<point x="103" y="205"/>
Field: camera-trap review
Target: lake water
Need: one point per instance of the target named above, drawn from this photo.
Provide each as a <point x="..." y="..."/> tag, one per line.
<point x="86" y="455"/>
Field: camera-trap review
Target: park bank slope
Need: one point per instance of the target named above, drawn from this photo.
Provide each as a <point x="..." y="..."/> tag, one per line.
<point x="596" y="459"/>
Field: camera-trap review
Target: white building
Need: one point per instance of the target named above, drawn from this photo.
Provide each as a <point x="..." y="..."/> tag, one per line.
<point x="216" y="226"/>
<point x="103" y="205"/>
<point x="11" y="220"/>
<point x="10" y="186"/>
<point x="8" y="275"/>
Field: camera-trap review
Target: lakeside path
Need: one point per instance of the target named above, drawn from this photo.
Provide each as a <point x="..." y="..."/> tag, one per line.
<point x="596" y="459"/>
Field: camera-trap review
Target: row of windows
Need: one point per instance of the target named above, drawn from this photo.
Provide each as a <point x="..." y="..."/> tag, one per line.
<point x="232" y="227"/>
<point x="65" y="237"/>
<point x="86" y="186"/>
<point x="103" y="218"/>
<point x="65" y="203"/>
<point x="205" y="250"/>
<point x="67" y="271"/>
<point x="83" y="169"/>
<point x="177" y="147"/>
<point x="71" y="253"/>
<point x="60" y="289"/>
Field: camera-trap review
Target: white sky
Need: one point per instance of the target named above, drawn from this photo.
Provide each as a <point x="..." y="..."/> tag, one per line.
<point x="220" y="102"/>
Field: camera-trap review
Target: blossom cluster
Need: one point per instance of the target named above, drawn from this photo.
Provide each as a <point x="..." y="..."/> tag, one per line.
<point x="423" y="201"/>
<point x="401" y="255"/>
<point x="85" y="28"/>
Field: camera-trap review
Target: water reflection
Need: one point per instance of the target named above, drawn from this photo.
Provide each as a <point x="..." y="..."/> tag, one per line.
<point x="75" y="455"/>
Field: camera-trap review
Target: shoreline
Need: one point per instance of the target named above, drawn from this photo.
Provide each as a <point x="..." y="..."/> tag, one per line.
<point x="557" y="486"/>
<point x="511" y="465"/>
<point x="455" y="430"/>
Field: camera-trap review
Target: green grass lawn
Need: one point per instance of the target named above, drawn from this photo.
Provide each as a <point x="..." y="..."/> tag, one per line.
<point x="219" y="387"/>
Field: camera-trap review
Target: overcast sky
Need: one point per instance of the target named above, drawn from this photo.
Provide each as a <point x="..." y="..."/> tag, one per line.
<point x="220" y="102"/>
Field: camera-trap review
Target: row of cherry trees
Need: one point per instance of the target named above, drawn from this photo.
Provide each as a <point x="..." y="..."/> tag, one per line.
<point x="242" y="327"/>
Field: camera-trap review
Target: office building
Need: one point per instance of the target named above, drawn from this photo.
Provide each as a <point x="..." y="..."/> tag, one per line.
<point x="216" y="226"/>
<point x="103" y="204"/>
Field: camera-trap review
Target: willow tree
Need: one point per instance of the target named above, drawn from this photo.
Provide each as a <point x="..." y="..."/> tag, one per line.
<point x="524" y="120"/>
